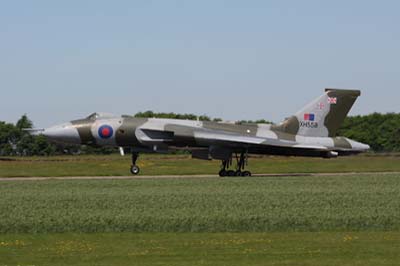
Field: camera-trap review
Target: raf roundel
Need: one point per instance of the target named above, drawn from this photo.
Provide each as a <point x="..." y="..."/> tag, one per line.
<point x="106" y="132"/>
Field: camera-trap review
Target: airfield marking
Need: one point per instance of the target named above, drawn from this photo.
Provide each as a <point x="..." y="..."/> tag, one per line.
<point x="183" y="176"/>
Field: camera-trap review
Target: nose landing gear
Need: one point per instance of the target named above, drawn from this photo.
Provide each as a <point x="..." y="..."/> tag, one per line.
<point x="241" y="162"/>
<point x="134" y="168"/>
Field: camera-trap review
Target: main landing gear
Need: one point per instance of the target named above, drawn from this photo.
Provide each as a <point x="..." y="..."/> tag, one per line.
<point x="134" y="168"/>
<point x="241" y="162"/>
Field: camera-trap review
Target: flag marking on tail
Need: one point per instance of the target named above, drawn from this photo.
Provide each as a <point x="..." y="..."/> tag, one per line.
<point x="309" y="117"/>
<point x="320" y="106"/>
<point x="332" y="100"/>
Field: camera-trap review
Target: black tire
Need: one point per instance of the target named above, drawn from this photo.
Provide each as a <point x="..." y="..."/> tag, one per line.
<point x="238" y="173"/>
<point x="135" y="170"/>
<point x="231" y="173"/>
<point x="222" y="173"/>
<point x="246" y="173"/>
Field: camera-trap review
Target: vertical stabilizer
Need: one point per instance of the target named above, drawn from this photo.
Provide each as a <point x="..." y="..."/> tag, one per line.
<point x="323" y="116"/>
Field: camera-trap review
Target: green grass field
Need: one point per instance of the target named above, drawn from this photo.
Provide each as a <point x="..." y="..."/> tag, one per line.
<point x="296" y="220"/>
<point x="327" y="220"/>
<point x="115" y="165"/>
<point x="258" y="204"/>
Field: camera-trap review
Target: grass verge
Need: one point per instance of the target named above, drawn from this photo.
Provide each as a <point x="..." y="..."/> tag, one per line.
<point x="114" y="165"/>
<point x="320" y="248"/>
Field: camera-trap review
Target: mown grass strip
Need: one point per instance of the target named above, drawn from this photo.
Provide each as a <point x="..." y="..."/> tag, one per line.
<point x="320" y="248"/>
<point x="115" y="165"/>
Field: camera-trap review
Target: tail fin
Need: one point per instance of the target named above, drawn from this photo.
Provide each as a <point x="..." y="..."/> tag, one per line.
<point x="323" y="116"/>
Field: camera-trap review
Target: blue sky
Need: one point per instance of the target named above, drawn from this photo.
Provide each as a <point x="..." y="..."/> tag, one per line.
<point x="61" y="60"/>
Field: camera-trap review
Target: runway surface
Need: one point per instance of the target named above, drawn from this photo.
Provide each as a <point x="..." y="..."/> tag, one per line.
<point x="184" y="176"/>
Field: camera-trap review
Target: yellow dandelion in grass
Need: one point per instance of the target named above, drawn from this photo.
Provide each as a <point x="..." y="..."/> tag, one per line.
<point x="139" y="253"/>
<point x="145" y="164"/>
<point x="389" y="238"/>
<point x="313" y="252"/>
<point x="349" y="238"/>
<point x="63" y="247"/>
<point x="19" y="243"/>
<point x="15" y="243"/>
<point x="248" y="251"/>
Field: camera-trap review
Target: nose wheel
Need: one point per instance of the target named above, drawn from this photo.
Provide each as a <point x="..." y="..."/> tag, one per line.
<point x="134" y="168"/>
<point x="241" y="162"/>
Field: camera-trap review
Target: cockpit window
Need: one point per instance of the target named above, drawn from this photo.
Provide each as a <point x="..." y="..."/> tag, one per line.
<point x="95" y="116"/>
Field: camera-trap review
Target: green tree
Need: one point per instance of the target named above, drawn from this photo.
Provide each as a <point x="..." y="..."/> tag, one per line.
<point x="151" y="114"/>
<point x="24" y="123"/>
<point x="259" y="121"/>
<point x="9" y="135"/>
<point x="380" y="131"/>
<point x="15" y="141"/>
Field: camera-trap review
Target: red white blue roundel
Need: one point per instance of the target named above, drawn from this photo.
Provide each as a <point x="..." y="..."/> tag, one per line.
<point x="106" y="132"/>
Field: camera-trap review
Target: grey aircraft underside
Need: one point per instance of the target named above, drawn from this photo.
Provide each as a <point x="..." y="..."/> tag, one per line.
<point x="310" y="132"/>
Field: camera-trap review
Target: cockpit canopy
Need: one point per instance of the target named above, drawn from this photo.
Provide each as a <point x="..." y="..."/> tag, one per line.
<point x="96" y="116"/>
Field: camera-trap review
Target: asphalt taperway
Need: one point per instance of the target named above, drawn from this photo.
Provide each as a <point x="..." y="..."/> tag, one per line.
<point x="38" y="178"/>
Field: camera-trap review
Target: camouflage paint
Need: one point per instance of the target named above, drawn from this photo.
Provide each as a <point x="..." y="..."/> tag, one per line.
<point x="84" y="127"/>
<point x="288" y="129"/>
<point x="339" y="111"/>
<point x="126" y="133"/>
<point x="342" y="143"/>
<point x="242" y="129"/>
<point x="308" y="132"/>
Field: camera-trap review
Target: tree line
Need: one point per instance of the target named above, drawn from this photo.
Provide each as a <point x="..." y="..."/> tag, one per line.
<point x="380" y="131"/>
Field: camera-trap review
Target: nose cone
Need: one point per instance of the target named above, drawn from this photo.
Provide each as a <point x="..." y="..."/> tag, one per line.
<point x="64" y="133"/>
<point x="364" y="147"/>
<point x="358" y="146"/>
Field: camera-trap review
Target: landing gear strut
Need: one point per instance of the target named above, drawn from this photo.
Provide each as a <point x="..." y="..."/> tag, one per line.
<point x="241" y="161"/>
<point x="224" y="171"/>
<point x="134" y="168"/>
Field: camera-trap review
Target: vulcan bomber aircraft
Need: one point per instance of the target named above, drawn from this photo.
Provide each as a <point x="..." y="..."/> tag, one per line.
<point x="310" y="132"/>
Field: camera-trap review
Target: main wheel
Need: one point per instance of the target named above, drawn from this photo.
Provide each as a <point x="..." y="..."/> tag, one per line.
<point x="238" y="173"/>
<point x="231" y="173"/>
<point x="222" y="173"/>
<point x="135" y="169"/>
<point x="246" y="173"/>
